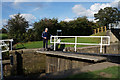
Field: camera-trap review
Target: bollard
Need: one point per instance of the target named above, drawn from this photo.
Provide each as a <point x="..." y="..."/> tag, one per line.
<point x="105" y="28"/>
<point x="97" y="30"/>
<point x="94" y="31"/>
<point x="101" y="29"/>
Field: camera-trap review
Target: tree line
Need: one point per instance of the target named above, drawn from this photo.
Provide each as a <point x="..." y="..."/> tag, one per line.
<point x="18" y="28"/>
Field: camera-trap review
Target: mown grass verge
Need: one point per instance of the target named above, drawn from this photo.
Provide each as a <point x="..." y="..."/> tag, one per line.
<point x="39" y="44"/>
<point x="108" y="73"/>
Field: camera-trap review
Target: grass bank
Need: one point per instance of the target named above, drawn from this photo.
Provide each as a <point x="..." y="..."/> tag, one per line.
<point x="29" y="45"/>
<point x="3" y="36"/>
<point x="111" y="72"/>
<point x="39" y="44"/>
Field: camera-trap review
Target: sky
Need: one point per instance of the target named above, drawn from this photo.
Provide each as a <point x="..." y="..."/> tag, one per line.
<point x="63" y="10"/>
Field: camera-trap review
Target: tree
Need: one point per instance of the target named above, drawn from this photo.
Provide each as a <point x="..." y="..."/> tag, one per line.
<point x="78" y="27"/>
<point x="65" y="28"/>
<point x="51" y="24"/>
<point x="29" y="35"/>
<point x="3" y="30"/>
<point x="107" y="15"/>
<point x="17" y="27"/>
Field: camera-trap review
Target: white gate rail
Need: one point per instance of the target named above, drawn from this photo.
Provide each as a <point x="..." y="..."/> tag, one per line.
<point x="57" y="40"/>
<point x="6" y="46"/>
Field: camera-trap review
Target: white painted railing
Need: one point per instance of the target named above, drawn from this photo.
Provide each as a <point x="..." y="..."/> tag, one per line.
<point x="57" y="40"/>
<point x="6" y="46"/>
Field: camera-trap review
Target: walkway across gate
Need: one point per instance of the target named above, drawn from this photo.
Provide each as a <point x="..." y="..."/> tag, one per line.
<point x="104" y="40"/>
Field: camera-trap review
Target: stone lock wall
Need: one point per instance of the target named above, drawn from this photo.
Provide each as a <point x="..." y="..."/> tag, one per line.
<point x="56" y="63"/>
<point x="27" y="62"/>
<point x="114" y="48"/>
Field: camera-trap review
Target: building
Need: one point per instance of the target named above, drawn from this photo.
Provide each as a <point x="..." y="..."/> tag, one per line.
<point x="114" y="25"/>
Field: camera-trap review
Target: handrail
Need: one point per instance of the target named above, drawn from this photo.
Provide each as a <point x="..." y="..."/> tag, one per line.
<point x="2" y="43"/>
<point x="56" y="40"/>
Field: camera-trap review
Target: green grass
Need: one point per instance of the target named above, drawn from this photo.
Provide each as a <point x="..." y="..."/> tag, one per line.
<point x="80" y="40"/>
<point x="111" y="72"/>
<point x="39" y="44"/>
<point x="99" y="34"/>
<point x="3" y="36"/>
<point x="30" y="45"/>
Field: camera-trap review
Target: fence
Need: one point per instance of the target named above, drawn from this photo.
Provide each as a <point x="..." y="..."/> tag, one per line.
<point x="6" y="46"/>
<point x="57" y="40"/>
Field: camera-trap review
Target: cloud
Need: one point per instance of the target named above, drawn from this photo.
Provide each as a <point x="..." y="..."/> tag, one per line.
<point x="68" y="19"/>
<point x="3" y="22"/>
<point x="92" y="19"/>
<point x="97" y="6"/>
<point x="35" y="9"/>
<point x="116" y="0"/>
<point x="115" y="3"/>
<point x="29" y="17"/>
<point x="79" y="10"/>
<point x="16" y="2"/>
<point x="17" y="5"/>
<point x="0" y="24"/>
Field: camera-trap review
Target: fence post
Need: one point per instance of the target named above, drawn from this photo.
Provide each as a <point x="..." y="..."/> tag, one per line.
<point x="75" y="42"/>
<point x="50" y="39"/>
<point x="109" y="40"/>
<point x="1" y="63"/>
<point x="54" y="44"/>
<point x="11" y="45"/>
<point x="101" y="45"/>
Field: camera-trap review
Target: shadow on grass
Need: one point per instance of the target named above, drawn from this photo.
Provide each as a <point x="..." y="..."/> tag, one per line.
<point x="89" y="75"/>
<point x="80" y="76"/>
<point x="20" y="48"/>
<point x="30" y="76"/>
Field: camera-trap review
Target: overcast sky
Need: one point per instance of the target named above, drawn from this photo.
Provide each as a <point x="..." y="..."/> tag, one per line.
<point x="63" y="10"/>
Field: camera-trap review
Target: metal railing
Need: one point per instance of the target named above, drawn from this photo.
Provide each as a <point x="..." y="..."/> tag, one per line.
<point x="57" y="40"/>
<point x="6" y="46"/>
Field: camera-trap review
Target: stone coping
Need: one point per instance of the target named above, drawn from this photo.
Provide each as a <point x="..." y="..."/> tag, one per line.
<point x="73" y="55"/>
